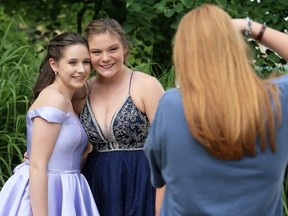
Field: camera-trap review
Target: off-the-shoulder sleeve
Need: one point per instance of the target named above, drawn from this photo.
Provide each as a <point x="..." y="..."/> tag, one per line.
<point x="50" y="114"/>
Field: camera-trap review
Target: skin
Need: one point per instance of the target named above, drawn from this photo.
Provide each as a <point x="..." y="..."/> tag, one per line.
<point x="73" y="70"/>
<point x="273" y="39"/>
<point x="111" y="85"/>
<point x="107" y="57"/>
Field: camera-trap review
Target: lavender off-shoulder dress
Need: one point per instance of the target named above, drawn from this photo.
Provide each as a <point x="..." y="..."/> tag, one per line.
<point x="68" y="191"/>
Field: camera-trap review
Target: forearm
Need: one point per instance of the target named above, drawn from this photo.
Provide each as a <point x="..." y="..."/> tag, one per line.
<point x="38" y="191"/>
<point x="273" y="39"/>
<point x="159" y="199"/>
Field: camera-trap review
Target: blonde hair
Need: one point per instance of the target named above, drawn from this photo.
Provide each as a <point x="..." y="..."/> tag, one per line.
<point x="225" y="103"/>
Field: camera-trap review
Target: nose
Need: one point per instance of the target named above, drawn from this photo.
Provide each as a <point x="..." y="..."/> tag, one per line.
<point x="105" y="56"/>
<point x="81" y="68"/>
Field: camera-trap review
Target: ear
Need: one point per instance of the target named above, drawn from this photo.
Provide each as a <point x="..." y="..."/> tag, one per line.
<point x="53" y="64"/>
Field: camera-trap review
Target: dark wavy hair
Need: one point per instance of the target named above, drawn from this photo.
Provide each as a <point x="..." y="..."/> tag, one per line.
<point x="55" y="51"/>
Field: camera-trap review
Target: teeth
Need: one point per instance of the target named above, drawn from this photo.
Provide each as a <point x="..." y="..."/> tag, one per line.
<point x="107" y="66"/>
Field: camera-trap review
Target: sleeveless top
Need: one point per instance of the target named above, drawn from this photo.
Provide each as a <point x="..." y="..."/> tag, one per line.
<point x="128" y="127"/>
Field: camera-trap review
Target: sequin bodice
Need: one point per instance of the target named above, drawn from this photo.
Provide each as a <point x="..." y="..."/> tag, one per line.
<point x="128" y="128"/>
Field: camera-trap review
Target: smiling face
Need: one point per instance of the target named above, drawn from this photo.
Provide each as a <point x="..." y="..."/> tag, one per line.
<point x="106" y="53"/>
<point x="73" y="68"/>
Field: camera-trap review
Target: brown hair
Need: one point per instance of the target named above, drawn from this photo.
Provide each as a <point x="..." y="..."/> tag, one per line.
<point x="226" y="104"/>
<point x="55" y="50"/>
<point x="102" y="25"/>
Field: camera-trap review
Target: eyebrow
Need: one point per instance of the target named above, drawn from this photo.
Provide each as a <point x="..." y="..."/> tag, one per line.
<point x="113" y="45"/>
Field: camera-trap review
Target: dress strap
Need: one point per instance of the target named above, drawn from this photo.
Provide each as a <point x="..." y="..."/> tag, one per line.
<point x="89" y="88"/>
<point x="130" y="82"/>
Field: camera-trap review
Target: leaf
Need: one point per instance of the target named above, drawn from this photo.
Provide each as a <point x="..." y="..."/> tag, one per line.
<point x="160" y="7"/>
<point x="136" y="7"/>
<point x="187" y="3"/>
<point x="274" y="18"/>
<point x="169" y="12"/>
<point x="273" y="57"/>
<point x="283" y="2"/>
<point x="179" y="7"/>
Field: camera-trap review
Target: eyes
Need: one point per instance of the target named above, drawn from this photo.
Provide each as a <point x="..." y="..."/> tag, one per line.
<point x="87" y="62"/>
<point x="99" y="52"/>
<point x="75" y="62"/>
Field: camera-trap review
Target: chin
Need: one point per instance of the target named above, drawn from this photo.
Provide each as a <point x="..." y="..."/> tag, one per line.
<point x="79" y="85"/>
<point x="107" y="74"/>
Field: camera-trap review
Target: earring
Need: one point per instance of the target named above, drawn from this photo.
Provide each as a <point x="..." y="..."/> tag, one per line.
<point x="55" y="72"/>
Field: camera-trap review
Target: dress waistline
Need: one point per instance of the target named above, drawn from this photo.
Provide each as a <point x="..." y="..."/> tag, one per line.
<point x="115" y="150"/>
<point x="77" y="171"/>
<point x="26" y="163"/>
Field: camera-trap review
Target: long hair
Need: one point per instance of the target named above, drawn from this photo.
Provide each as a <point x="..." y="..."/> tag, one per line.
<point x="226" y="104"/>
<point x="103" y="25"/>
<point x="55" y="51"/>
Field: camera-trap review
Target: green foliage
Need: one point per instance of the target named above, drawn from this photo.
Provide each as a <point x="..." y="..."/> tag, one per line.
<point x="150" y="24"/>
<point x="16" y="61"/>
<point x="166" y="78"/>
<point x="266" y="11"/>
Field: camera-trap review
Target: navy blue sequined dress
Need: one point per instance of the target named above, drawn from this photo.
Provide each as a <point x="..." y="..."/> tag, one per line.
<point x="117" y="169"/>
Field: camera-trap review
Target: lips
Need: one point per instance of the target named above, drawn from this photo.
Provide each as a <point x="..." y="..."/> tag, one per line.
<point x="80" y="78"/>
<point x="107" y="66"/>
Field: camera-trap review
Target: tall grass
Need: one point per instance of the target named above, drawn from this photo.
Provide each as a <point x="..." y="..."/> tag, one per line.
<point x="16" y="69"/>
<point x="166" y="77"/>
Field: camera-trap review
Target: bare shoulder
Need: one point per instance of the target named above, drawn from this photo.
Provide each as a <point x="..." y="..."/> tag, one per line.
<point x="50" y="97"/>
<point x="144" y="80"/>
<point x="146" y="92"/>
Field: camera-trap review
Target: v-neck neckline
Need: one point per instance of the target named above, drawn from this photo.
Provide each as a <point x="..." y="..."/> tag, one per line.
<point x="97" y="125"/>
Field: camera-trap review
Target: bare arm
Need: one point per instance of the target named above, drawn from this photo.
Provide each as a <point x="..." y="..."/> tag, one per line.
<point x="153" y="91"/>
<point x="42" y="147"/>
<point x="159" y="199"/>
<point x="152" y="94"/>
<point x="41" y="150"/>
<point x="273" y="39"/>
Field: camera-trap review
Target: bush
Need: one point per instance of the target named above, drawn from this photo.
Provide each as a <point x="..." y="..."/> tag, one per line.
<point x="18" y="71"/>
<point x="16" y="79"/>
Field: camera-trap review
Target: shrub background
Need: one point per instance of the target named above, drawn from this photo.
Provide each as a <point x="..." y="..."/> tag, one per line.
<point x="22" y="45"/>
